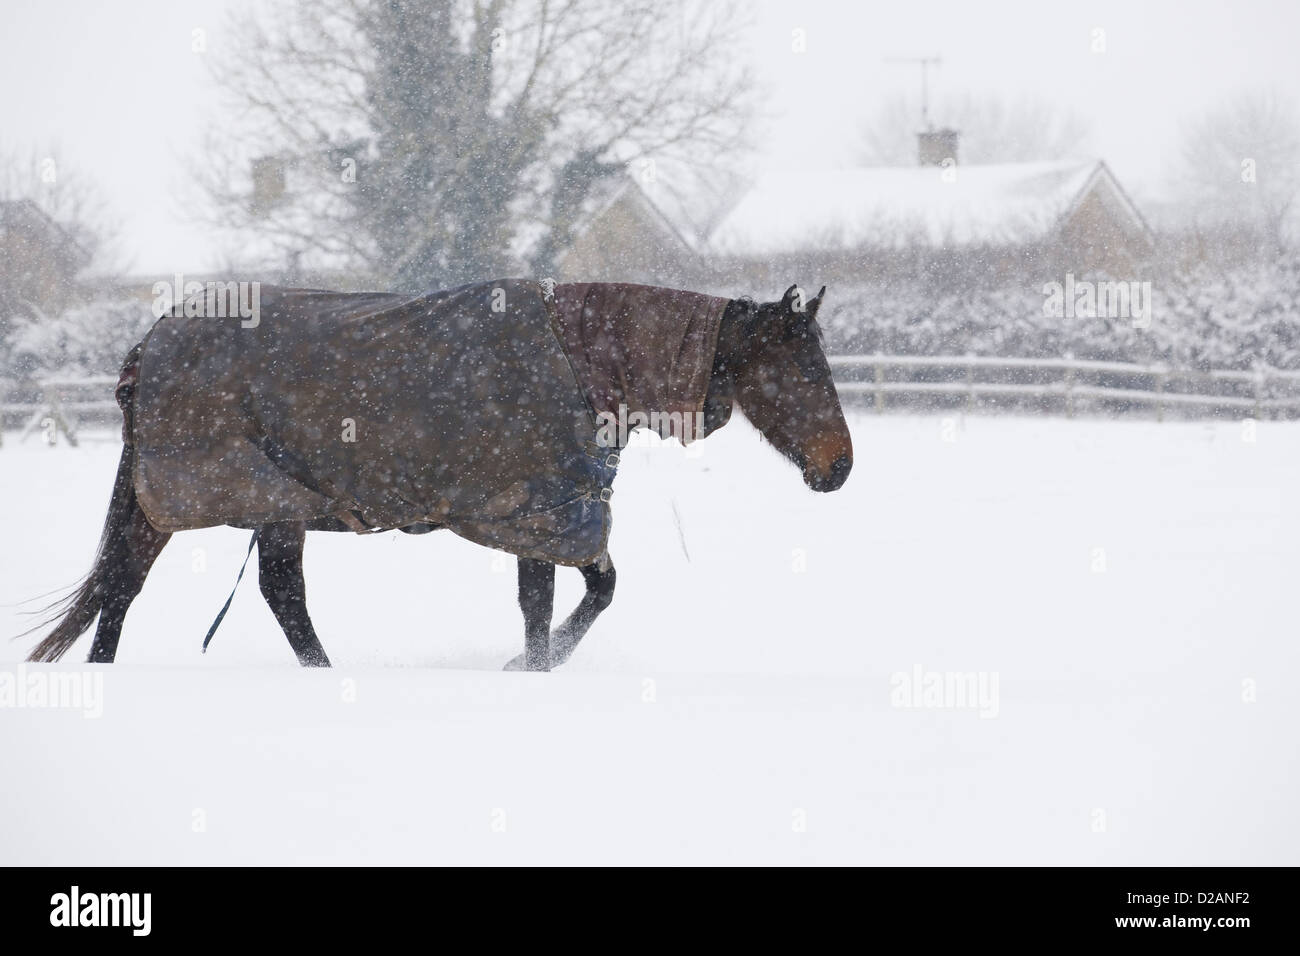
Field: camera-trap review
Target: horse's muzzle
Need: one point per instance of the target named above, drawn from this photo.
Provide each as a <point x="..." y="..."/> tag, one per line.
<point x="831" y="481"/>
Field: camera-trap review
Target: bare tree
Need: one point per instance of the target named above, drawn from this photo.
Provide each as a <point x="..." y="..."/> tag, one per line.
<point x="426" y="142"/>
<point x="993" y="129"/>
<point x="1241" y="170"/>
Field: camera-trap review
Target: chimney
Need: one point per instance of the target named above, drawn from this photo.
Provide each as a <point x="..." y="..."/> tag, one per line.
<point x="268" y="183"/>
<point x="935" y="145"/>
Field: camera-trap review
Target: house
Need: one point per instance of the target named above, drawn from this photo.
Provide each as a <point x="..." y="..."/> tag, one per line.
<point x="649" y="228"/>
<point x="841" y="225"/>
<point x="41" y="260"/>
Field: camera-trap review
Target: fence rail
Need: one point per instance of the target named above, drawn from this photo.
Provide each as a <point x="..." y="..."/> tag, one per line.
<point x="61" y="403"/>
<point x="54" y="405"/>
<point x="1067" y="381"/>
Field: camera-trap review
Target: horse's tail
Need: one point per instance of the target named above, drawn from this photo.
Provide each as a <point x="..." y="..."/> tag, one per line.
<point x="77" y="611"/>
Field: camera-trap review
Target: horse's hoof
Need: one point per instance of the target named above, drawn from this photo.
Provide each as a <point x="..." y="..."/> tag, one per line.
<point x="521" y="664"/>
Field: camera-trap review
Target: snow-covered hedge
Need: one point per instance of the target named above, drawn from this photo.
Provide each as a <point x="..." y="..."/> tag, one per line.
<point x="1201" y="319"/>
<point x="90" y="339"/>
<point x="1209" y="318"/>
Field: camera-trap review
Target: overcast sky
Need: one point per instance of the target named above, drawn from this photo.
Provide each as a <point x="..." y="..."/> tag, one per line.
<point x="115" y="85"/>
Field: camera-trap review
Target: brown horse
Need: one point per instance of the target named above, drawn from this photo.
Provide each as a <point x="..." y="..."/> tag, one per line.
<point x="768" y="361"/>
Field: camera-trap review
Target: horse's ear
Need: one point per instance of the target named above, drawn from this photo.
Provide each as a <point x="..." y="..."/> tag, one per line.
<point x="788" y="300"/>
<point x="816" y="303"/>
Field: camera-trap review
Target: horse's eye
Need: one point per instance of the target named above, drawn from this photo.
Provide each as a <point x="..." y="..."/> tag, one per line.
<point x="796" y="330"/>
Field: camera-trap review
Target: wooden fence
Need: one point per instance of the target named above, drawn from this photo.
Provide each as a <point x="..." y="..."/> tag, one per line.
<point x="1052" y="385"/>
<point x="1064" y="384"/>
<point x="55" y="405"/>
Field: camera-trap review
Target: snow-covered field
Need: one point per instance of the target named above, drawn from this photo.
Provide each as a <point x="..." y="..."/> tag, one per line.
<point x="1129" y="585"/>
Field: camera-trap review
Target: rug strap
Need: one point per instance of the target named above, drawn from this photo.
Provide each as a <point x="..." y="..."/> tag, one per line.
<point x="221" y="615"/>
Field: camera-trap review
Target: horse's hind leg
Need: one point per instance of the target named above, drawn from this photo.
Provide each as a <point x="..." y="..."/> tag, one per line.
<point x="537" y="601"/>
<point x="279" y="574"/>
<point x="600" y="592"/>
<point x="127" y="561"/>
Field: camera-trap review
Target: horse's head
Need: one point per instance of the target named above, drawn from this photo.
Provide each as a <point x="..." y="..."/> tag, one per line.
<point x="771" y="362"/>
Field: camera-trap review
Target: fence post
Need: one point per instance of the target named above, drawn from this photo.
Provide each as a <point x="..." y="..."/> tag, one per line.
<point x="1259" y="391"/>
<point x="1161" y="374"/>
<point x="970" y="381"/>
<point x="880" y="381"/>
<point x="49" y="409"/>
<point x="59" y="419"/>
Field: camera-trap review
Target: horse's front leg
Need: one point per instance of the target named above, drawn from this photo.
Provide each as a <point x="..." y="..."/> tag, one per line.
<point x="564" y="640"/>
<point x="537" y="601"/>
<point x="600" y="592"/>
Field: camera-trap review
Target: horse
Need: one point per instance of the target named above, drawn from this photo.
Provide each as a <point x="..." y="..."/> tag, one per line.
<point x="769" y="362"/>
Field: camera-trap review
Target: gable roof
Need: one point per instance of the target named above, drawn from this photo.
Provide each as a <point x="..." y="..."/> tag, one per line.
<point x="24" y="216"/>
<point x="686" y="203"/>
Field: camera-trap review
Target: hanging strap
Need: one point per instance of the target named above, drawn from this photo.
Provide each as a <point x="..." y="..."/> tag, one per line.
<point x="226" y="607"/>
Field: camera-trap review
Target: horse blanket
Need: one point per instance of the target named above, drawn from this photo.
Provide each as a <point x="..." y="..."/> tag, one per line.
<point x="473" y="409"/>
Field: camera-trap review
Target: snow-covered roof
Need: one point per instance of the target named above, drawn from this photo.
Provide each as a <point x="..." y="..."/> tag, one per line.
<point x="792" y="211"/>
<point x="686" y="202"/>
<point x="693" y="201"/>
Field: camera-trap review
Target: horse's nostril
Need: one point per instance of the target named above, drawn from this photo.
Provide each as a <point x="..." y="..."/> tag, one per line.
<point x="840" y="470"/>
<point x="832" y="480"/>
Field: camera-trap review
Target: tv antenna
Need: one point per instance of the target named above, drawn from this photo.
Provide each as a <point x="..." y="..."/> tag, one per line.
<point x="925" y="63"/>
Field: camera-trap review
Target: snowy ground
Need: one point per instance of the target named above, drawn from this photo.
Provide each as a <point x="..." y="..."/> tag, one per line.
<point x="733" y="706"/>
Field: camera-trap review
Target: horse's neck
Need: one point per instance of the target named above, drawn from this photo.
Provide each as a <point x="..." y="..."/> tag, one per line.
<point x="644" y="396"/>
<point x="721" y="394"/>
<point x="641" y="350"/>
